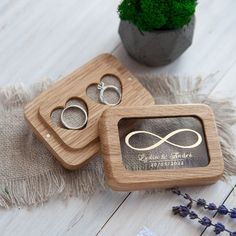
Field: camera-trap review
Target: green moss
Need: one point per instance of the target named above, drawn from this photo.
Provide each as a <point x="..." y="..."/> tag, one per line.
<point x="149" y="15"/>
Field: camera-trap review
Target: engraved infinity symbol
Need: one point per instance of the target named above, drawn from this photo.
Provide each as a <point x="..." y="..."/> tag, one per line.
<point x="163" y="140"/>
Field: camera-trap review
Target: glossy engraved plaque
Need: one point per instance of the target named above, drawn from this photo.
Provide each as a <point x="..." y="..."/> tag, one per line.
<point x="162" y="143"/>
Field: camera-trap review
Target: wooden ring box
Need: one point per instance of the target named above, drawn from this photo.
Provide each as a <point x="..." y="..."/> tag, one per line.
<point x="73" y="148"/>
<point x="178" y="146"/>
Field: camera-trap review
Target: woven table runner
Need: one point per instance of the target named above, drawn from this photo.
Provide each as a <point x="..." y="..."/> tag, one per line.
<point x="30" y="175"/>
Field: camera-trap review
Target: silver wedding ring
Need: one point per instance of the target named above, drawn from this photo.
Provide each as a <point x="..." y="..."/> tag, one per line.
<point x="102" y="87"/>
<point x="79" y="108"/>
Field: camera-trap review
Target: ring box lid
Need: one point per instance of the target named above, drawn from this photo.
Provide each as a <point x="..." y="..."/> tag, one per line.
<point x="140" y="144"/>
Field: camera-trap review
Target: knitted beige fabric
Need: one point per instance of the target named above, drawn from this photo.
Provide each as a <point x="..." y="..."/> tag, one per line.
<point x="30" y="175"/>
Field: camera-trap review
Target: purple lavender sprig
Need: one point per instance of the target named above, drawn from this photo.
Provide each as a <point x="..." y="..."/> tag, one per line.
<point x="222" y="209"/>
<point x="185" y="211"/>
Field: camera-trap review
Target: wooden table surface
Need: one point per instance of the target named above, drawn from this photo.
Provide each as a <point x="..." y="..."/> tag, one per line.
<point x="50" y="38"/>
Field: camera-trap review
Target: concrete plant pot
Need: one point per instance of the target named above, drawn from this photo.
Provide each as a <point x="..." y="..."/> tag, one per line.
<point x="158" y="47"/>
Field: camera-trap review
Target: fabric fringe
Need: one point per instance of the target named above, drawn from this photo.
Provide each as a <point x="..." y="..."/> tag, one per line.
<point x="18" y="95"/>
<point x="36" y="190"/>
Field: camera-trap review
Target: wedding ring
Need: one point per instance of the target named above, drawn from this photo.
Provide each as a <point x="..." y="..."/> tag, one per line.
<point x="71" y="107"/>
<point x="102" y="87"/>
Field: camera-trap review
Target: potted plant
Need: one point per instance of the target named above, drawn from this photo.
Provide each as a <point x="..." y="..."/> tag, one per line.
<point x="156" y="32"/>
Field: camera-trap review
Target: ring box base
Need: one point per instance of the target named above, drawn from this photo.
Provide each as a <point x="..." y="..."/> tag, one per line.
<point x="73" y="148"/>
